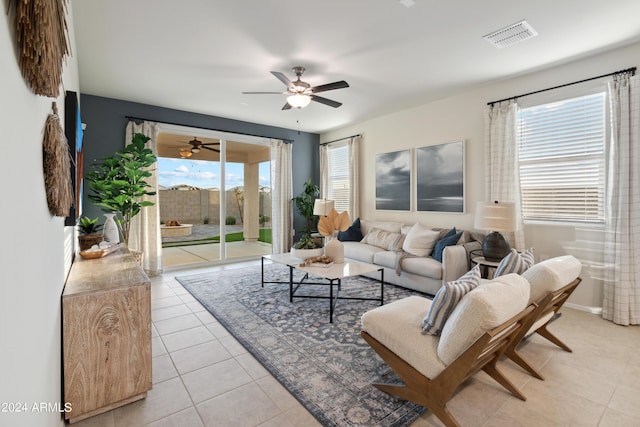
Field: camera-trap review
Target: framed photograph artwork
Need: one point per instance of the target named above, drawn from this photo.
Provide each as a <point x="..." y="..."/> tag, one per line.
<point x="440" y="178"/>
<point x="393" y="181"/>
<point x="73" y="132"/>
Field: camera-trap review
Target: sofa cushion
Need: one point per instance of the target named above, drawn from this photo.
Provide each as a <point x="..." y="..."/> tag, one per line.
<point x="451" y="238"/>
<point x="397" y="326"/>
<point x="420" y="240"/>
<point x="515" y="262"/>
<point x="446" y="300"/>
<point x="387" y="240"/>
<point x="351" y="234"/>
<point x="481" y="310"/>
<point x="551" y="274"/>
<point x="360" y="251"/>
<point x="421" y="266"/>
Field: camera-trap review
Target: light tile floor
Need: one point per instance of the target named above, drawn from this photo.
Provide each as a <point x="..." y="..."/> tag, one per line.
<point x="203" y="377"/>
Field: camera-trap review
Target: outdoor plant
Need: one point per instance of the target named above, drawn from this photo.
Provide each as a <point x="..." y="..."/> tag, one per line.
<point x="231" y="220"/>
<point x="304" y="203"/>
<point x="87" y="226"/>
<point x="117" y="183"/>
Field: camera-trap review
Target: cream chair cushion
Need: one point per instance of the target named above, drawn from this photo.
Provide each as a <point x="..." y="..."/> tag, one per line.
<point x="481" y="310"/>
<point x="551" y="274"/>
<point x="398" y="326"/>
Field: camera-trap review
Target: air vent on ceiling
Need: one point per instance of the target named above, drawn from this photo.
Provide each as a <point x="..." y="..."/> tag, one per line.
<point x="511" y="35"/>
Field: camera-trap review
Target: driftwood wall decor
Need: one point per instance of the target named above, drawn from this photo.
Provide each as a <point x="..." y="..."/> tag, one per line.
<point x="42" y="39"/>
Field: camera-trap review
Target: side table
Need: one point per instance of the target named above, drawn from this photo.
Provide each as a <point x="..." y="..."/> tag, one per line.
<point x="487" y="268"/>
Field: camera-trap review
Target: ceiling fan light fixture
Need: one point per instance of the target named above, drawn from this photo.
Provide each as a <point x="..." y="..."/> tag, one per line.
<point x="185" y="153"/>
<point x="195" y="150"/>
<point x="299" y="100"/>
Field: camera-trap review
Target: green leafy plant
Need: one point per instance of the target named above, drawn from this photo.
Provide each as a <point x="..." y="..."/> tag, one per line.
<point x="308" y="242"/>
<point x="231" y="220"/>
<point x="304" y="203"/>
<point x="205" y="220"/>
<point x="87" y="225"/>
<point x="118" y="183"/>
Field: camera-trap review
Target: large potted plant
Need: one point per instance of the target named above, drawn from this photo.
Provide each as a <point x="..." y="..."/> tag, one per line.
<point x="117" y="183"/>
<point x="307" y="245"/>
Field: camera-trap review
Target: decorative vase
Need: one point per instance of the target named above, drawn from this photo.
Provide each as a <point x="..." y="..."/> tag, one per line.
<point x="110" y="229"/>
<point x="334" y="249"/>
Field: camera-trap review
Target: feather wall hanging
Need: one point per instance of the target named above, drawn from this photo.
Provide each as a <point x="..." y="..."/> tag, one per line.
<point x="42" y="39"/>
<point x="57" y="166"/>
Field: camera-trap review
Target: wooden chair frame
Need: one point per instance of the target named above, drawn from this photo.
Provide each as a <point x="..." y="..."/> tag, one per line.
<point x="434" y="393"/>
<point x="551" y="302"/>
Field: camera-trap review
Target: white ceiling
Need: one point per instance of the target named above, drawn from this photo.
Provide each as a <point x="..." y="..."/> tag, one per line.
<point x="198" y="56"/>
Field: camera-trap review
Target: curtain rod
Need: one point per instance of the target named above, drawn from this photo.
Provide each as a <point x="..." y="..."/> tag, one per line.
<point x="631" y="70"/>
<point x="287" y="141"/>
<point x="340" y="139"/>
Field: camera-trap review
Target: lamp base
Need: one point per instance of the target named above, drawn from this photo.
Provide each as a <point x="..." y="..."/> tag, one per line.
<point x="495" y="247"/>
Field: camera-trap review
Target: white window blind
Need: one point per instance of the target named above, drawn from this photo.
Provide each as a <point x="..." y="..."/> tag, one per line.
<point x="562" y="159"/>
<point x="338" y="159"/>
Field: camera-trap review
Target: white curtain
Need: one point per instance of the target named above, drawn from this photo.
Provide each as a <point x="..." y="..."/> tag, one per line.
<point x="354" y="177"/>
<point x="281" y="195"/>
<point x="501" y="162"/>
<point x="145" y="227"/>
<point x="324" y="171"/>
<point x="621" y="302"/>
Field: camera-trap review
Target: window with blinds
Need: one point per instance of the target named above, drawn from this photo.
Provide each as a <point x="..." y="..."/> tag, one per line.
<point x="562" y="160"/>
<point x="338" y="160"/>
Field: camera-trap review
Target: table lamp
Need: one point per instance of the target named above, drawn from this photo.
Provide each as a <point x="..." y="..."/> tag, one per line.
<point x="495" y="217"/>
<point x="322" y="207"/>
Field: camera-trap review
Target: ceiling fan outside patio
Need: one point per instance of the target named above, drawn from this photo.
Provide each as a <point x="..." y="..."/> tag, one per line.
<point x="196" y="146"/>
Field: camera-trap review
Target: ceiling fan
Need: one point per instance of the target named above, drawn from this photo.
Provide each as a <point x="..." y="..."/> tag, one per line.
<point x="301" y="93"/>
<point x="196" y="146"/>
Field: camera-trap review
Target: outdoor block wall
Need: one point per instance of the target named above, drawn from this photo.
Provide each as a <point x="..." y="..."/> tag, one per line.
<point x="193" y="206"/>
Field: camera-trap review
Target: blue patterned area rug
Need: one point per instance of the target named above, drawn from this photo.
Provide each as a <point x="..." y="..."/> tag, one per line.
<point x="328" y="367"/>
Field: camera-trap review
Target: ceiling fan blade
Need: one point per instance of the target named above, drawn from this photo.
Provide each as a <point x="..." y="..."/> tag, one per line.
<point x="330" y="86"/>
<point x="326" y="101"/>
<point x="263" y="93"/>
<point x="283" y="79"/>
<point x="287" y="106"/>
<point x="211" y="143"/>
<point x="209" y="148"/>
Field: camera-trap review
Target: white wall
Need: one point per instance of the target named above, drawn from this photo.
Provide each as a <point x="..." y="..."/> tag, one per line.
<point x="462" y="117"/>
<point x="36" y="248"/>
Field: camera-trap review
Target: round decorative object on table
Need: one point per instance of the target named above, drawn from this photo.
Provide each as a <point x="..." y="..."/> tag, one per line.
<point x="110" y="229"/>
<point x="307" y="253"/>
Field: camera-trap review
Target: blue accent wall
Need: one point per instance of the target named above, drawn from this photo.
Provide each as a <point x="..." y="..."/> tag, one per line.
<point x="106" y="123"/>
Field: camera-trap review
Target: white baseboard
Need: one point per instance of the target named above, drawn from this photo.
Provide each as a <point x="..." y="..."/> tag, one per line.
<point x="593" y="310"/>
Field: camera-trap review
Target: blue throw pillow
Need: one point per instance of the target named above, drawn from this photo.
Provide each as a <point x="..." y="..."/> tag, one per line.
<point x="450" y="239"/>
<point x="351" y="234"/>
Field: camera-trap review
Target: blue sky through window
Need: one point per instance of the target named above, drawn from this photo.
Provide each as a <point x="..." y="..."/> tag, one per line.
<point x="204" y="174"/>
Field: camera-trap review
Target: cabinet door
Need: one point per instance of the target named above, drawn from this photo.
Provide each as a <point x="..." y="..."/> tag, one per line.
<point x="106" y="347"/>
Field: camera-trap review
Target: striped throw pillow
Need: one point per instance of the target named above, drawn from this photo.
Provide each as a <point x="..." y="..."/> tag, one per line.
<point x="448" y="296"/>
<point x="515" y="262"/>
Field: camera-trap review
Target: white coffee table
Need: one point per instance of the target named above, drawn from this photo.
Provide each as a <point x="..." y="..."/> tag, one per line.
<point x="333" y="276"/>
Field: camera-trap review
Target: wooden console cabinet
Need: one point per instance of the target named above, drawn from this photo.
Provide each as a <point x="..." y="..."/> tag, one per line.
<point x="106" y="334"/>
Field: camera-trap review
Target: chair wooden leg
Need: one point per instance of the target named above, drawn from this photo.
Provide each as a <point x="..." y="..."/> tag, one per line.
<point x="548" y="335"/>
<point x="519" y="360"/>
<point x="492" y="370"/>
<point x="444" y="415"/>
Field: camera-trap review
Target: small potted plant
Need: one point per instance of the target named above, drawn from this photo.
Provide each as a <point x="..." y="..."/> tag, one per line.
<point x="89" y="232"/>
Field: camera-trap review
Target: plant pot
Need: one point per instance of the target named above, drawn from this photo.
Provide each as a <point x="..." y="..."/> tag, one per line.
<point x="307" y="253"/>
<point x="85" y="241"/>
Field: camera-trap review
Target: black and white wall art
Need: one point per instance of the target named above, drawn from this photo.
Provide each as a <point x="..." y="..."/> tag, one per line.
<point x="440" y="177"/>
<point x="393" y="181"/>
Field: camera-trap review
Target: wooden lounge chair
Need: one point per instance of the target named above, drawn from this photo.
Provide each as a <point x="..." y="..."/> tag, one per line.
<point x="552" y="282"/>
<point x="475" y="336"/>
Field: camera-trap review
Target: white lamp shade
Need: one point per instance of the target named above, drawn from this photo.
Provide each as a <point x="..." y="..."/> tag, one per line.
<point x="496" y="216"/>
<point x="322" y="207"/>
<point x="299" y="100"/>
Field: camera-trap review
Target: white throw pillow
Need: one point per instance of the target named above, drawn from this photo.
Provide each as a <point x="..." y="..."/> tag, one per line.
<point x="386" y="240"/>
<point x="420" y="240"/>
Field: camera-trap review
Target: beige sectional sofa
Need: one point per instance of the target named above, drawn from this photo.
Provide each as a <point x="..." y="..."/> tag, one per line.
<point x="420" y="273"/>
